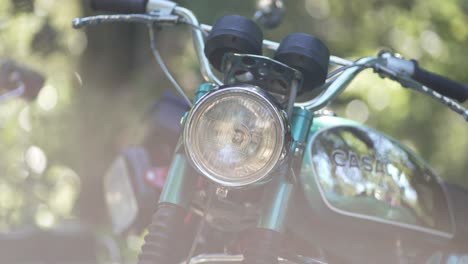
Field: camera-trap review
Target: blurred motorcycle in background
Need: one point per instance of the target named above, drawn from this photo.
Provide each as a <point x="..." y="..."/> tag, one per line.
<point x="144" y="168"/>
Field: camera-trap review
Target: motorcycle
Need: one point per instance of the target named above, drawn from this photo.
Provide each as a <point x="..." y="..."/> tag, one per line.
<point x="259" y="177"/>
<point x="144" y="167"/>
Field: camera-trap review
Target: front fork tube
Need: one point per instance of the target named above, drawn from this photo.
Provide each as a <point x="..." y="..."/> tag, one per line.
<point x="278" y="194"/>
<point x="275" y="203"/>
<point x="181" y="182"/>
<point x="165" y="233"/>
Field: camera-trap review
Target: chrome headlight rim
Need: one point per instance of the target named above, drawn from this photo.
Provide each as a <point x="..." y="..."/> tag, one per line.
<point x="280" y="118"/>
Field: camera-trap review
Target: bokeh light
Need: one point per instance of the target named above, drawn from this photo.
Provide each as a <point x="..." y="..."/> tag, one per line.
<point x="378" y="98"/>
<point x="357" y="110"/>
<point x="44" y="217"/>
<point x="24" y="119"/>
<point x="65" y="190"/>
<point x="48" y="98"/>
<point x="319" y="9"/>
<point x="431" y="43"/>
<point x="36" y="159"/>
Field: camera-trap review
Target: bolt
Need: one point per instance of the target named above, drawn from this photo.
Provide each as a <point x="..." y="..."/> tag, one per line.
<point x="221" y="192"/>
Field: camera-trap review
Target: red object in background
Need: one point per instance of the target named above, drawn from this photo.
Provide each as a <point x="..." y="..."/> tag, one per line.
<point x="156" y="176"/>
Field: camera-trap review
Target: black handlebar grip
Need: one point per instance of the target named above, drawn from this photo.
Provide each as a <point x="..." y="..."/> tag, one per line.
<point x="120" y="6"/>
<point x="440" y="84"/>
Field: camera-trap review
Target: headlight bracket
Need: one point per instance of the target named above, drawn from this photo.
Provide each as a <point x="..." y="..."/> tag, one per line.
<point x="277" y="79"/>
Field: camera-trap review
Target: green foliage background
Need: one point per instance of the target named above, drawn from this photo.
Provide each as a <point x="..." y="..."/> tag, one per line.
<point x="100" y="82"/>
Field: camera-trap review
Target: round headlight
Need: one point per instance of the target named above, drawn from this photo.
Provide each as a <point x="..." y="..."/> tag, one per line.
<point x="235" y="135"/>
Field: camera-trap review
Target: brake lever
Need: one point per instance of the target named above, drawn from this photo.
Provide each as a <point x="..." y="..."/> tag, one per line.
<point x="151" y="18"/>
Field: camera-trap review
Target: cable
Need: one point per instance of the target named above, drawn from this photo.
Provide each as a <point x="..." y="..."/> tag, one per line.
<point x="160" y="61"/>
<point x="345" y="67"/>
<point x="200" y="28"/>
<point x="341" y="69"/>
<point x="200" y="226"/>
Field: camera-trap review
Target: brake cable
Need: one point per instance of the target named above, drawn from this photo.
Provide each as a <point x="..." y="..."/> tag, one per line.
<point x="201" y="225"/>
<point x="157" y="56"/>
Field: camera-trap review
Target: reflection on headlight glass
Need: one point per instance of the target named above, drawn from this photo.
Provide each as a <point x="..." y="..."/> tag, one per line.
<point x="236" y="136"/>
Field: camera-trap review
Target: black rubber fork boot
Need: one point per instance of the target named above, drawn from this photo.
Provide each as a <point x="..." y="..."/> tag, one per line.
<point x="262" y="247"/>
<point x="162" y="241"/>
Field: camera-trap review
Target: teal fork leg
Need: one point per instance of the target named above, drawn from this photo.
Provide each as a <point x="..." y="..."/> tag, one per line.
<point x="162" y="243"/>
<point x="264" y="244"/>
<point x="275" y="204"/>
<point x="278" y="194"/>
<point x="181" y="179"/>
<point x="180" y="183"/>
<point x="264" y="241"/>
<point x="167" y="223"/>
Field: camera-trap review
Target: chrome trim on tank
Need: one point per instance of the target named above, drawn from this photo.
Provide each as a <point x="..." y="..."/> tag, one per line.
<point x="224" y="258"/>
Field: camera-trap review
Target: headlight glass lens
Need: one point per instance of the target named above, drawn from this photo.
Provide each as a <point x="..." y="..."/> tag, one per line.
<point x="235" y="136"/>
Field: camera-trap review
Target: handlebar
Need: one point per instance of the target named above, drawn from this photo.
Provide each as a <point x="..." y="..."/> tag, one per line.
<point x="406" y="72"/>
<point x="338" y="85"/>
<point x="199" y="43"/>
<point x="120" y="6"/>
